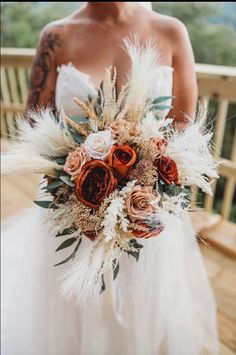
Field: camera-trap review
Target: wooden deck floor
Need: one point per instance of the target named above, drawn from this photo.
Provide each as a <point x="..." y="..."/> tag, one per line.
<point x="19" y="191"/>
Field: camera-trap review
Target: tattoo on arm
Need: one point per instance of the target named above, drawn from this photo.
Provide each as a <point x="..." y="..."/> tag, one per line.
<point x="41" y="67"/>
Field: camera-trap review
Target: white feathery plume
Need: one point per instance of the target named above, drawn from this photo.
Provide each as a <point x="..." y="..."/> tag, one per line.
<point x="80" y="281"/>
<point x="36" y="146"/>
<point x="19" y="159"/>
<point x="144" y="63"/>
<point x="48" y="136"/>
<point x="61" y="218"/>
<point x="152" y="127"/>
<point x="111" y="217"/>
<point x="174" y="203"/>
<point x="114" y="213"/>
<point x="191" y="150"/>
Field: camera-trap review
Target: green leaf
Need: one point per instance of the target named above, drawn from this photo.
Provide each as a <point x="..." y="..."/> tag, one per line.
<point x="159" y="189"/>
<point x="79" y="119"/>
<point x="60" y="160"/>
<point x="66" y="179"/>
<point x="54" y="185"/>
<point x="90" y="98"/>
<point x="70" y="256"/>
<point x="76" y="135"/>
<point x="66" y="232"/>
<point x="103" y="287"/>
<point x="45" y="204"/>
<point x="67" y="243"/>
<point x="137" y="246"/>
<point x="162" y="107"/>
<point x="161" y="99"/>
<point x="116" y="268"/>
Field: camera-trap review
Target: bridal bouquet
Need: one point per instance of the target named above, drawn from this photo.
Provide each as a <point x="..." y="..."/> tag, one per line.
<point x="113" y="173"/>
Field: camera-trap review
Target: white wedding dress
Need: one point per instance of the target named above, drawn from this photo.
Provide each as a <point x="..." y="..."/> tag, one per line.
<point x="162" y="305"/>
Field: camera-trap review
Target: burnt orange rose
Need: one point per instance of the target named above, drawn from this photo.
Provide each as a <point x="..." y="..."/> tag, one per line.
<point x="95" y="182"/>
<point x="148" y="232"/>
<point x="92" y="235"/>
<point x="167" y="170"/>
<point x="121" y="159"/>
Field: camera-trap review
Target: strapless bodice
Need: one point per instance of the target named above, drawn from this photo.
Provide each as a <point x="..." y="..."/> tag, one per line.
<point x="71" y="82"/>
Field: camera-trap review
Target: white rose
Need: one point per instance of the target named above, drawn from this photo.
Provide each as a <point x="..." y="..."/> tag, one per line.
<point x="99" y="144"/>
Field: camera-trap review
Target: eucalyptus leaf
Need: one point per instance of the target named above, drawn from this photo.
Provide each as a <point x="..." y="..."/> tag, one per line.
<point x="159" y="189"/>
<point x="162" y="107"/>
<point x="116" y="268"/>
<point x="161" y="99"/>
<point x="76" y="135"/>
<point x="66" y="232"/>
<point x="45" y="204"/>
<point x="67" y="243"/>
<point x="66" y="179"/>
<point x="137" y="246"/>
<point x="54" y="185"/>
<point x="134" y="254"/>
<point x="90" y="98"/>
<point x="79" y="119"/>
<point x="103" y="287"/>
<point x="60" y="160"/>
<point x="70" y="256"/>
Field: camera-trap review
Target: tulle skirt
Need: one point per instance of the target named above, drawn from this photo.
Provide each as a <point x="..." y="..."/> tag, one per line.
<point x="161" y="305"/>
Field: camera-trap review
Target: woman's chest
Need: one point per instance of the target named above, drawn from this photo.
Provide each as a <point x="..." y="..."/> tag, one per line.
<point x="96" y="49"/>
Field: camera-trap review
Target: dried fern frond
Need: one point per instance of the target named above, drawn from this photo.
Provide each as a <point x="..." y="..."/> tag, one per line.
<point x="86" y="108"/>
<point x="110" y="108"/>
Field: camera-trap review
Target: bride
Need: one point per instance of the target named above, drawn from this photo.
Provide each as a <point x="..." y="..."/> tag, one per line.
<point x="163" y="305"/>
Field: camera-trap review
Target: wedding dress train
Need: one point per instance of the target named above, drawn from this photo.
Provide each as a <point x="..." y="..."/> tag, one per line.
<point x="162" y="305"/>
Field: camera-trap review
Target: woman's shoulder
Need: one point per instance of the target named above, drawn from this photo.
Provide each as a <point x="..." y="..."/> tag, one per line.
<point x="170" y="27"/>
<point x="65" y="27"/>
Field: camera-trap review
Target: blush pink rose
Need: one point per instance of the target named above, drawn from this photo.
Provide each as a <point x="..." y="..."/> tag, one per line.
<point x="139" y="203"/>
<point x="118" y="126"/>
<point x="74" y="162"/>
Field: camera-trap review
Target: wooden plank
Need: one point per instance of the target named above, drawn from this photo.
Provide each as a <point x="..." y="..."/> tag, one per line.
<point x="227" y="331"/>
<point x="222" y="236"/>
<point x="217" y="88"/>
<point x="230" y="187"/>
<point x="201" y="219"/>
<point x="23" y="84"/>
<point x="224" y="286"/>
<point x="4" y="88"/>
<point x="11" y="125"/>
<point x="4" y="131"/>
<point x="221" y="270"/>
<point x="228" y="198"/>
<point x="13" y="84"/>
<point x="218" y="141"/>
<point x="224" y="350"/>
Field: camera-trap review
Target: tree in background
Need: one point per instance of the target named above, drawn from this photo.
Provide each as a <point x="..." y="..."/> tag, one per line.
<point x="212" y="26"/>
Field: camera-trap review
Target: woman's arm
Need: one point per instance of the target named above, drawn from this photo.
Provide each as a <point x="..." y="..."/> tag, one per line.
<point x="184" y="76"/>
<point x="43" y="72"/>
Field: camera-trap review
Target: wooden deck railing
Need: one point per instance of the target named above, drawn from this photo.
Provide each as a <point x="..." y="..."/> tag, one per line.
<point x="216" y="83"/>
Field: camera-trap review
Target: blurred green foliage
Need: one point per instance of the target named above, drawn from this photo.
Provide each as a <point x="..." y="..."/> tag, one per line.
<point x="211" y="25"/>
